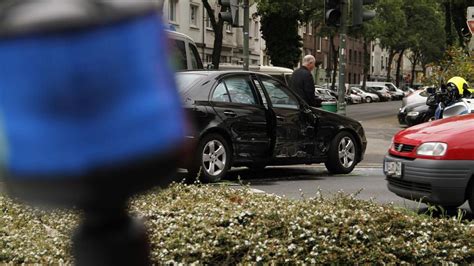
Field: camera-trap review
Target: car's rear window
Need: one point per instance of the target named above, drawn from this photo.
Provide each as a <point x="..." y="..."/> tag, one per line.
<point x="185" y="80"/>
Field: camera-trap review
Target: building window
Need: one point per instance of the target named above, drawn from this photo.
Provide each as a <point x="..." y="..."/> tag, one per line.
<point x="194" y="11"/>
<point x="208" y="24"/>
<point x="228" y="27"/>
<point x="381" y="62"/>
<point x="173" y="11"/>
<point x="256" y="30"/>
<point x="318" y="44"/>
<point x="350" y="56"/>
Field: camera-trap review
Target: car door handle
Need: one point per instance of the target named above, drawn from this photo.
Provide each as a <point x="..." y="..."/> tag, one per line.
<point x="279" y="117"/>
<point x="230" y="113"/>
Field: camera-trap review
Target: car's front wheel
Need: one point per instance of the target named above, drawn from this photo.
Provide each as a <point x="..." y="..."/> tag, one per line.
<point x="368" y="99"/>
<point x="342" y="154"/>
<point x="213" y="159"/>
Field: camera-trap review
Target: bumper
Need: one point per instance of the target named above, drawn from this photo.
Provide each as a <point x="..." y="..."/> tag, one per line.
<point x="414" y="120"/>
<point x="401" y="118"/>
<point x="433" y="181"/>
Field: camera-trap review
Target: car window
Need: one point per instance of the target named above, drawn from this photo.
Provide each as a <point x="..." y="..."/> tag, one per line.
<point x="220" y="94"/>
<point x="179" y="55"/>
<point x="195" y="59"/>
<point x="240" y="90"/>
<point x="278" y="95"/>
<point x="260" y="91"/>
<point x="184" y="80"/>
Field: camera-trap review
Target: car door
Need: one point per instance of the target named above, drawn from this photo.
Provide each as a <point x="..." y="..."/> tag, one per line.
<point x="294" y="124"/>
<point x="236" y="102"/>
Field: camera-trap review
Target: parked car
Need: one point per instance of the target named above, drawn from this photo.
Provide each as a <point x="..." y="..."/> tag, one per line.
<point x="353" y="98"/>
<point x="366" y="96"/>
<point x="432" y="162"/>
<point x="380" y="91"/>
<point x="185" y="55"/>
<point x="418" y="96"/>
<point x="251" y="119"/>
<point x="324" y="95"/>
<point x="281" y="73"/>
<point x="415" y="114"/>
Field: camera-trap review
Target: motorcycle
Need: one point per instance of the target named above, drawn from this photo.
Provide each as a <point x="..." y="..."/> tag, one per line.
<point x="445" y="106"/>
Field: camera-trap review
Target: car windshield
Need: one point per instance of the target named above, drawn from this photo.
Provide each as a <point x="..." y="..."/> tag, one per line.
<point x="184" y="80"/>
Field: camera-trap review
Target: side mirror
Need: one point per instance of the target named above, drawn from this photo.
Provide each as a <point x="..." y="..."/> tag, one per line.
<point x="431" y="100"/>
<point x="431" y="90"/>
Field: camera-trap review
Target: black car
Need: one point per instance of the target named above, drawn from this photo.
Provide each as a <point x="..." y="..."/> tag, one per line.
<point x="414" y="114"/>
<point x="253" y="120"/>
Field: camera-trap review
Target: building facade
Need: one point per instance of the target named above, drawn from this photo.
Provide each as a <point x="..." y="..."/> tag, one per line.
<point x="191" y="18"/>
<point x="319" y="46"/>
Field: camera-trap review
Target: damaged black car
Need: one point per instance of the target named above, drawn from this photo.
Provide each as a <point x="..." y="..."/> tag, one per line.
<point x="251" y="119"/>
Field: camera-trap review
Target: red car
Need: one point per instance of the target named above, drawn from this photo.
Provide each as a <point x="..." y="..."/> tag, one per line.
<point x="434" y="162"/>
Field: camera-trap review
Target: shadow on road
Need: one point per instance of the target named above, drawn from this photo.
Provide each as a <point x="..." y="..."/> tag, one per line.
<point x="275" y="174"/>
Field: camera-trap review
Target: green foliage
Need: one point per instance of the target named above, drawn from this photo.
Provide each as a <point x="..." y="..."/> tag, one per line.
<point x="283" y="42"/>
<point x="223" y="225"/>
<point x="455" y="63"/>
<point x="280" y="20"/>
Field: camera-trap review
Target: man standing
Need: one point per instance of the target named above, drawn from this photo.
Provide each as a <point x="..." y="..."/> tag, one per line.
<point x="302" y="81"/>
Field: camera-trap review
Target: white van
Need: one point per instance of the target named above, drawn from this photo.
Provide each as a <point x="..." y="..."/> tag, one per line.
<point x="281" y="73"/>
<point x="185" y="55"/>
<point x="396" y="92"/>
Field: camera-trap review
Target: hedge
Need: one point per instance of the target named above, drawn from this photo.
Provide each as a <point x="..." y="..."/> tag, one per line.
<point x="209" y="224"/>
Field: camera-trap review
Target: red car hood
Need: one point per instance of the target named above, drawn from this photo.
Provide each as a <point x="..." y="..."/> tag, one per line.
<point x="456" y="131"/>
<point x="461" y="126"/>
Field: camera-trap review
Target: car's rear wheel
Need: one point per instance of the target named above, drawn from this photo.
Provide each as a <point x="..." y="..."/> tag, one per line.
<point x="368" y="99"/>
<point x="342" y="154"/>
<point x="213" y="159"/>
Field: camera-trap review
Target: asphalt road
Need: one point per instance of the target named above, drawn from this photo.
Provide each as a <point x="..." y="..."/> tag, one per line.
<point x="366" y="182"/>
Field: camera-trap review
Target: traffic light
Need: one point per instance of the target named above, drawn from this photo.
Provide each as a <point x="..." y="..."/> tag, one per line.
<point x="359" y="13"/>
<point x="230" y="11"/>
<point x="332" y="12"/>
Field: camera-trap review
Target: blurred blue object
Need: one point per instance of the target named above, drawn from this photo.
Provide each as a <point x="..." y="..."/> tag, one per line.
<point x="72" y="101"/>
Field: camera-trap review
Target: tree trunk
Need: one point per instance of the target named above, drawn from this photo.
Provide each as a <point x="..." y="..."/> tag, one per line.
<point x="391" y="54"/>
<point x="216" y="52"/>
<point x="447" y="23"/>
<point x="399" y="66"/>
<point x="413" y="70"/>
<point x="334" y="60"/>
<point x="217" y="27"/>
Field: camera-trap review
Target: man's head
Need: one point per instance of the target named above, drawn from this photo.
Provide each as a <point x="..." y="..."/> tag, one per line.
<point x="309" y="62"/>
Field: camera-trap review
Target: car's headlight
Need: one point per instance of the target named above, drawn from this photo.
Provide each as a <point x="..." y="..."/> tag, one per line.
<point x="413" y="113"/>
<point x="432" y="149"/>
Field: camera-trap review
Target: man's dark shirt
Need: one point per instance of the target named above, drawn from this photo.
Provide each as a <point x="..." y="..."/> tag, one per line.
<point x="303" y="84"/>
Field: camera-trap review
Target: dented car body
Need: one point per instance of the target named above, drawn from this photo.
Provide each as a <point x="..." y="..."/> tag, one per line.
<point x="251" y="119"/>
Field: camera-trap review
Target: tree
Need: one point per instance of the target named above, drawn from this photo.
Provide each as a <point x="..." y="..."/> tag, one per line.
<point x="455" y="63"/>
<point x="280" y="20"/>
<point x="425" y="33"/>
<point x="390" y="26"/>
<point x="217" y="27"/>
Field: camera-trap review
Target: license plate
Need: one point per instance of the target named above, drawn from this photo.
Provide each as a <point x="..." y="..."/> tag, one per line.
<point x="393" y="169"/>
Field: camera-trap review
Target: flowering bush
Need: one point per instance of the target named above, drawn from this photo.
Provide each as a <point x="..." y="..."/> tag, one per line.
<point x="455" y="63"/>
<point x="224" y="225"/>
